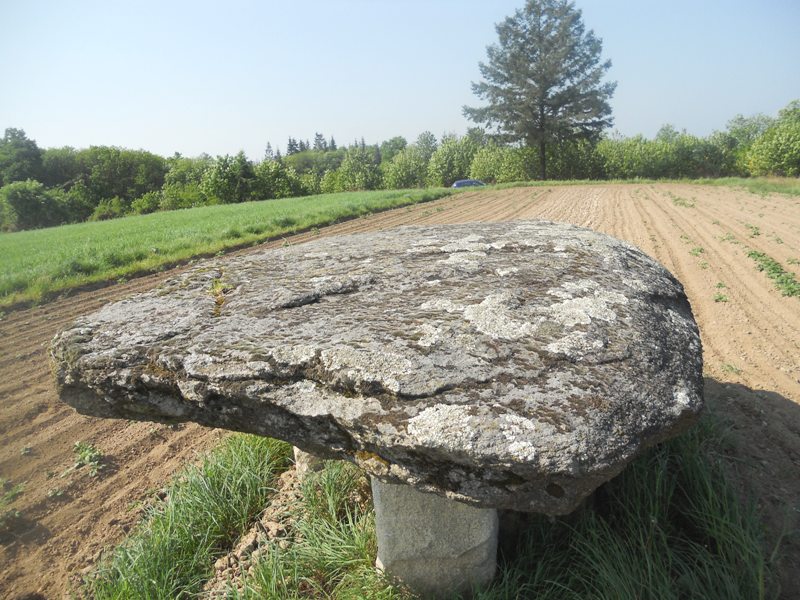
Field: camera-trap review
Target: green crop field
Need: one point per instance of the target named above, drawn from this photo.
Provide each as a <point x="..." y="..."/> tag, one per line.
<point x="38" y="263"/>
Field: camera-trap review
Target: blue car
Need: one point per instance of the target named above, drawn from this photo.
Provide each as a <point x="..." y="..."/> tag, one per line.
<point x="467" y="183"/>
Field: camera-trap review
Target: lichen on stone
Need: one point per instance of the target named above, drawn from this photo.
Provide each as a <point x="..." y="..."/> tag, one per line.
<point x="513" y="365"/>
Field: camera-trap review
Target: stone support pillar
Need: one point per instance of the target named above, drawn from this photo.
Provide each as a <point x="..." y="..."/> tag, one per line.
<point x="434" y="545"/>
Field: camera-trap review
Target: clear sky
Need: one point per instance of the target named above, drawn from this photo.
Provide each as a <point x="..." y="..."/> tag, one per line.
<point x="220" y="77"/>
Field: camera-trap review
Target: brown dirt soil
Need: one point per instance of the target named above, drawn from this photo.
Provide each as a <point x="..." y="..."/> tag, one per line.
<point x="751" y="347"/>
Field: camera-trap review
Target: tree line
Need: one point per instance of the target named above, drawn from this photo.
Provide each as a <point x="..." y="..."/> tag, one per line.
<point x="53" y="186"/>
<point x="546" y="113"/>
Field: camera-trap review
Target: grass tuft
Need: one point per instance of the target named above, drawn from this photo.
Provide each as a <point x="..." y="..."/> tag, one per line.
<point x="206" y="509"/>
<point x="333" y="551"/>
<point x="670" y="527"/>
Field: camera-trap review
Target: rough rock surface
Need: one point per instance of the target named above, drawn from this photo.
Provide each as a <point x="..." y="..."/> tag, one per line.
<point x="511" y="365"/>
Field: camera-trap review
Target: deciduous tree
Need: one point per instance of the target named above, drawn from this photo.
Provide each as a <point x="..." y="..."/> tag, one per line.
<point x="359" y="171"/>
<point x="20" y="157"/>
<point x="407" y="169"/>
<point x="777" y="151"/>
<point x="230" y="179"/>
<point x="451" y="161"/>
<point x="427" y="144"/>
<point x="28" y="205"/>
<point x="391" y="147"/>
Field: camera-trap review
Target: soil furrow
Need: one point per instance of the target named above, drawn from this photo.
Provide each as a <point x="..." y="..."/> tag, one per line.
<point x="751" y="344"/>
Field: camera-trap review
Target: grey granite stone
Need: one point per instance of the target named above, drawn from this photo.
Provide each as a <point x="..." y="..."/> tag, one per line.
<point x="436" y="546"/>
<point x="509" y="365"/>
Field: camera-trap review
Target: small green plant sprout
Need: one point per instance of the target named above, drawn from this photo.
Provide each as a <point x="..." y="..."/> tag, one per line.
<point x="721" y="286"/>
<point x="86" y="455"/>
<point x="793" y="261"/>
<point x="729" y="368"/>
<point x="55" y="492"/>
<point x="703" y="265"/>
<point x="727" y="237"/>
<point x="26" y="451"/>
<point x="685" y="239"/>
<point x="219" y="287"/>
<point x="315" y="230"/>
<point x="720" y="297"/>
<point x="754" y="230"/>
<point x="696" y="251"/>
<point x="8" y="493"/>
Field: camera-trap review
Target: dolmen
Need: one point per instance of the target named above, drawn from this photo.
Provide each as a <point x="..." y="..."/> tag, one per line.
<point x="466" y="368"/>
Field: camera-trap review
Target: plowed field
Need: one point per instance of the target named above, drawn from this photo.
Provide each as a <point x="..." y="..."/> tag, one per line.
<point x="750" y="332"/>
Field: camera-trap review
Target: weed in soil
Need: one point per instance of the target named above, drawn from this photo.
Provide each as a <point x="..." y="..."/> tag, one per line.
<point x="86" y="455"/>
<point x="729" y="368"/>
<point x="8" y="493"/>
<point x="784" y="280"/>
<point x="678" y="201"/>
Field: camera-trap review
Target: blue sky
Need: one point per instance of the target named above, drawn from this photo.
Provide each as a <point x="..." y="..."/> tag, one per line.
<point x="218" y="77"/>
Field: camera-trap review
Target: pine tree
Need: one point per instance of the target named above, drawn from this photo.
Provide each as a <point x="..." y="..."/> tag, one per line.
<point x="332" y="144"/>
<point x="292" y="147"/>
<point x="320" y="145"/>
<point x="268" y="153"/>
<point x="542" y="81"/>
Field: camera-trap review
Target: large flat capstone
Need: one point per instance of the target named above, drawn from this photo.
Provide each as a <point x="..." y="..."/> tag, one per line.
<point x="510" y="365"/>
